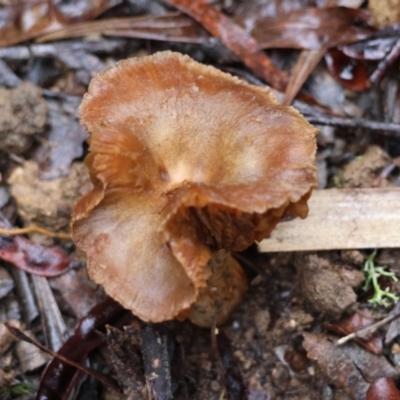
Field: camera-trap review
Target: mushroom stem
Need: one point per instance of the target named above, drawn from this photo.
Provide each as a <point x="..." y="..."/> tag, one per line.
<point x="226" y="288"/>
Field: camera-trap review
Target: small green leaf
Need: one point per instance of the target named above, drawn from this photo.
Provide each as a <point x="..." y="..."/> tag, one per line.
<point x="372" y="274"/>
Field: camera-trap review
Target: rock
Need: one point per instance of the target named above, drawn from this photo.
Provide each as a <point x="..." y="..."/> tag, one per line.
<point x="324" y="285"/>
<point x="364" y="170"/>
<point x="22" y="114"/>
<point x="47" y="203"/>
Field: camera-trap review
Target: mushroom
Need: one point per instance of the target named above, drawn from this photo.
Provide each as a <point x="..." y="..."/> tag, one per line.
<point x="225" y="290"/>
<point x="185" y="161"/>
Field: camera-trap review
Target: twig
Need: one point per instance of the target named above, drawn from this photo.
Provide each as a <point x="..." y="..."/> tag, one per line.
<point x="25" y="295"/>
<point x="34" y="229"/>
<point x="21" y="53"/>
<point x="24" y="291"/>
<point x="369" y="330"/>
<point x="102" y="378"/>
<point x="305" y="65"/>
<point x="385" y="128"/>
<point x="386" y="63"/>
<point x="214" y="351"/>
<point x="154" y="345"/>
<point x="53" y="325"/>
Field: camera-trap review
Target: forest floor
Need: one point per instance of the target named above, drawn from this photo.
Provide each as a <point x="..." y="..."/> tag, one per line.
<point x="281" y="342"/>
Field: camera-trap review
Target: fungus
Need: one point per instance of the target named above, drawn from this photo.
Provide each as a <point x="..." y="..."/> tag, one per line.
<point x="185" y="161"/>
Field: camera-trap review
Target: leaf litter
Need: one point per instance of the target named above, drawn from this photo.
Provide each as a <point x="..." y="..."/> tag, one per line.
<point x="274" y="345"/>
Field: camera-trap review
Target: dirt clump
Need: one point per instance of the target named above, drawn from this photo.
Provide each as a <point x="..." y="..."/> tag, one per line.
<point x="47" y="203"/>
<point x="23" y="113"/>
<point x="363" y="171"/>
<point x="326" y="286"/>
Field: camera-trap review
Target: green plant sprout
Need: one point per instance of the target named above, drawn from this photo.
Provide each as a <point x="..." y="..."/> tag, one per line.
<point x="16" y="391"/>
<point x="372" y="274"/>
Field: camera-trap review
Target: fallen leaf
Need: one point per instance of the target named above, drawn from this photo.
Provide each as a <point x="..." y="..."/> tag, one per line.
<point x="354" y="323"/>
<point x="28" y="20"/>
<point x="383" y="389"/>
<point x="236" y="39"/>
<point x="32" y="257"/>
<point x="313" y="28"/>
<point x="347" y="367"/>
<point x="59" y="379"/>
<point x="351" y="73"/>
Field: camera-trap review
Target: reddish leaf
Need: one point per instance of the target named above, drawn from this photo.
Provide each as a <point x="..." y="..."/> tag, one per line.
<point x="383" y="389"/>
<point x="313" y="28"/>
<point x="355" y="323"/>
<point x="351" y="73"/>
<point x="59" y="379"/>
<point x="32" y="257"/>
<point x="384" y="46"/>
<point x="235" y="38"/>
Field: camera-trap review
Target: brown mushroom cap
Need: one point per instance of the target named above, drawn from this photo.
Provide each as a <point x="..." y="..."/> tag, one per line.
<point x="185" y="160"/>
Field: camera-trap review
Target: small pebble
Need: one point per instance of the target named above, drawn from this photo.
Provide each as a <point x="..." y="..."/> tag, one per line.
<point x="395" y="348"/>
<point x="215" y="386"/>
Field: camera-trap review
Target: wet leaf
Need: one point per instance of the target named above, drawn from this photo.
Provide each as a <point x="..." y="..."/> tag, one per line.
<point x="32" y="257"/>
<point x="351" y="73"/>
<point x="313" y="28"/>
<point x="27" y="20"/>
<point x="355" y="323"/>
<point x="235" y="38"/>
<point x="383" y="389"/>
<point x="29" y="339"/>
<point x="59" y="379"/>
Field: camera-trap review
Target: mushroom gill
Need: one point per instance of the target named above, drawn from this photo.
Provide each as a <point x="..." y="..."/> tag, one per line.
<point x="185" y="161"/>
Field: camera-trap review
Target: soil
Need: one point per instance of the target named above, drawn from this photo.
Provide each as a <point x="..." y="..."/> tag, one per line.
<point x="280" y="342"/>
